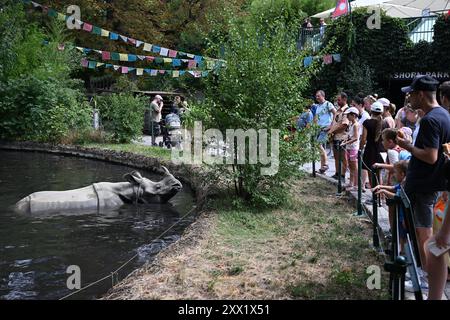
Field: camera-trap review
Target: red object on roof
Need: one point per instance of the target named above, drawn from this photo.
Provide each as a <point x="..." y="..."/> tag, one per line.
<point x="342" y="8"/>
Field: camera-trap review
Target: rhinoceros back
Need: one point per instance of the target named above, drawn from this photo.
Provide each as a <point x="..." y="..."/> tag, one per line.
<point x="57" y="201"/>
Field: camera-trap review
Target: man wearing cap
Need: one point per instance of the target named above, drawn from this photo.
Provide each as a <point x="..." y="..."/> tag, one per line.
<point x="155" y="108"/>
<point x="437" y="266"/>
<point x="424" y="177"/>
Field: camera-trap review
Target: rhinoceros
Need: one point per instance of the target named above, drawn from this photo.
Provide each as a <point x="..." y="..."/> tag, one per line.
<point x="102" y="195"/>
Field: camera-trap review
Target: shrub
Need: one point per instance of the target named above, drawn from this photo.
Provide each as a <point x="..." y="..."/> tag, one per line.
<point x="41" y="110"/>
<point x="122" y="116"/>
<point x="261" y="87"/>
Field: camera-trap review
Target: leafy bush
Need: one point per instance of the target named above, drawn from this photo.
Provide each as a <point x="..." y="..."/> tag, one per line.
<point x="38" y="99"/>
<point x="122" y="116"/>
<point x="260" y="88"/>
<point x="41" y="110"/>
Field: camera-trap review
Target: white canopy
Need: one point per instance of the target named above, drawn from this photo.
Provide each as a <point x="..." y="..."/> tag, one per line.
<point x="397" y="8"/>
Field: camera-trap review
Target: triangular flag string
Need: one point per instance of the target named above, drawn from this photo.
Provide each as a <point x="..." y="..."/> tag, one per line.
<point x="92" y="64"/>
<point x="107" y="55"/>
<point x="115" y="36"/>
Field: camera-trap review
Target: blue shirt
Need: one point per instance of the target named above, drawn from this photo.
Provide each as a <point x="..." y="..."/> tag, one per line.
<point x="433" y="133"/>
<point x="324" y="113"/>
<point x="304" y="119"/>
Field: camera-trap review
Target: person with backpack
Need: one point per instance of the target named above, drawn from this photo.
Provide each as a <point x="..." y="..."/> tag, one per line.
<point x="324" y="114"/>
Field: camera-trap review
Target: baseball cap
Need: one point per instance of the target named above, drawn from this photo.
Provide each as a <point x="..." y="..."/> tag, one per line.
<point x="352" y="110"/>
<point x="158" y="97"/>
<point x="385" y="102"/>
<point x="377" y="107"/>
<point x="422" y="83"/>
<point x="406" y="131"/>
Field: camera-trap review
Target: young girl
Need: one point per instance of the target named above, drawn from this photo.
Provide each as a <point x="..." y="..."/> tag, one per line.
<point x="390" y="192"/>
<point x="352" y="145"/>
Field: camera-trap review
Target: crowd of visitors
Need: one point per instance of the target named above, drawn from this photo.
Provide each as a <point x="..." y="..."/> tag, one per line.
<point x="406" y="149"/>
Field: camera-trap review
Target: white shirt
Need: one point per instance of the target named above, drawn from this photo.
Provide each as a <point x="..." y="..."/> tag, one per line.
<point x="364" y="116"/>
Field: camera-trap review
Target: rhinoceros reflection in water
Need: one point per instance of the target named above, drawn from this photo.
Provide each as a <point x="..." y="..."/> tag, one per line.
<point x="102" y="195"/>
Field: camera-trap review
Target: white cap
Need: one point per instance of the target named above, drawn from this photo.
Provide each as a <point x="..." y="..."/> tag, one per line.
<point x="158" y="97"/>
<point x="352" y="110"/>
<point x="385" y="102"/>
<point x="377" y="107"/>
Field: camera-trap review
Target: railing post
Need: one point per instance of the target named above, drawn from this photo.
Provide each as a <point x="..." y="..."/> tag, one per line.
<point x="376" y="240"/>
<point x="313" y="155"/>
<point x="359" y="204"/>
<point x="339" y="170"/>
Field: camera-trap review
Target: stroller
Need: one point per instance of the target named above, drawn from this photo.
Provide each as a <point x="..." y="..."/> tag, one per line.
<point x="172" y="130"/>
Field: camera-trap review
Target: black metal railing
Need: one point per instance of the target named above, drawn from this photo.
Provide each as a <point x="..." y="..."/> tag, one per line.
<point x="407" y="259"/>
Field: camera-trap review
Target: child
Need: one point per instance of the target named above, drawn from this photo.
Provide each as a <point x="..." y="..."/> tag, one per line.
<point x="390" y="192"/>
<point x="352" y="145"/>
<point x="394" y="153"/>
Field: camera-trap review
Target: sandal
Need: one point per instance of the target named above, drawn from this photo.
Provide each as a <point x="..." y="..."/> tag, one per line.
<point x="323" y="169"/>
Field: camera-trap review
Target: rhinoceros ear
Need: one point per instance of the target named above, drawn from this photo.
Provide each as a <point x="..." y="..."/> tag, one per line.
<point x="134" y="178"/>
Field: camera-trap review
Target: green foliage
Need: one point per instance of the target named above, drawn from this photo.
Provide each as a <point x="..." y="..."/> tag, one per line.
<point x="441" y="44"/>
<point x="122" y="116"/>
<point x="38" y="99"/>
<point x="41" y="110"/>
<point x="260" y="88"/>
<point x="363" y="47"/>
<point x="372" y="55"/>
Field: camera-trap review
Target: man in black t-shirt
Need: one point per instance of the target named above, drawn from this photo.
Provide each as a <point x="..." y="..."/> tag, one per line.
<point x="425" y="172"/>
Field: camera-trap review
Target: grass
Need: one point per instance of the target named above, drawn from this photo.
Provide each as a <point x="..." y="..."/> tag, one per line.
<point x="313" y="248"/>
<point x="154" y="152"/>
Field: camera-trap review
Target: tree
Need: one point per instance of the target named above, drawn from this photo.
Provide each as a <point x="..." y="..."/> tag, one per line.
<point x="260" y="88"/>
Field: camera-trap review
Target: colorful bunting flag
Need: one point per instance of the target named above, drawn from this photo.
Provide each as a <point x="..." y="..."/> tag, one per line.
<point x="113" y="36"/>
<point x="176" y="62"/>
<point x="92" y="64"/>
<point x="192" y="64"/>
<point x="153" y="72"/>
<point x="327" y="59"/>
<point x="115" y="56"/>
<point x="175" y="74"/>
<point x="164" y="52"/>
<point x="132" y="57"/>
<point x="172" y="53"/>
<point x="87" y="27"/>
<point x="147" y="47"/>
<point x="123" y="57"/>
<point x="307" y="61"/>
<point x="124" y="69"/>
<point x="337" y="57"/>
<point x="85" y="63"/>
<point x="156" y="49"/>
<point x="97" y="31"/>
<point x="124" y="39"/>
<point x="106" y="55"/>
<point x="61" y="17"/>
<point x="138" y="43"/>
<point x="139" y="71"/>
<point x="105" y="33"/>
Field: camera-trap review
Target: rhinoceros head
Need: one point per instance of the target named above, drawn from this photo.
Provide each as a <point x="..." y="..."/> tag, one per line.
<point x="152" y="191"/>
